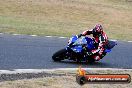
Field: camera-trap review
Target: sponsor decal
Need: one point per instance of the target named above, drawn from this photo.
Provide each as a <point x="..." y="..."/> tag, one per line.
<point x="82" y="77"/>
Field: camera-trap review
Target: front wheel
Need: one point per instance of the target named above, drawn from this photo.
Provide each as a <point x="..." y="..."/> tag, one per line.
<point x="59" y="55"/>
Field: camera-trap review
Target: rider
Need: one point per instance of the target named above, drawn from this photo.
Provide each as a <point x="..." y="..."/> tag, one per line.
<point x="100" y="39"/>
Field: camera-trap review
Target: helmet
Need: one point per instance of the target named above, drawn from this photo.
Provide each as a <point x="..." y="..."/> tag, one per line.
<point x="98" y="29"/>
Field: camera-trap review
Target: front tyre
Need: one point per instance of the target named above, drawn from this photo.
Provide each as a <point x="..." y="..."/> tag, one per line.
<point x="59" y="55"/>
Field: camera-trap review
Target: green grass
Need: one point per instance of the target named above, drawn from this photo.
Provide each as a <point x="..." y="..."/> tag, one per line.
<point x="66" y="17"/>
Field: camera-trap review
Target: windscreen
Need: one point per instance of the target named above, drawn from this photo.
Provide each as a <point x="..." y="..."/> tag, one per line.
<point x="80" y="41"/>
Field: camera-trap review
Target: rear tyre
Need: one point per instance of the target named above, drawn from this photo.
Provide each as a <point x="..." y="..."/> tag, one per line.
<point x="59" y="55"/>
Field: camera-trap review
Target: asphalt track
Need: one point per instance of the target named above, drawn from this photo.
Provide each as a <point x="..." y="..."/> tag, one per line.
<point x="28" y="52"/>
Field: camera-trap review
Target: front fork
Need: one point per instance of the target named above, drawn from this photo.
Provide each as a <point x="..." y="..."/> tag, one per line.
<point x="73" y="55"/>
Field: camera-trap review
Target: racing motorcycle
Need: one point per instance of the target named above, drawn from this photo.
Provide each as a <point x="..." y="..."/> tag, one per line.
<point x="75" y="50"/>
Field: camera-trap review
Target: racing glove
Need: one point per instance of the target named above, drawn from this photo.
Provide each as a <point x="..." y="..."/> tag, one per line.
<point x="79" y="35"/>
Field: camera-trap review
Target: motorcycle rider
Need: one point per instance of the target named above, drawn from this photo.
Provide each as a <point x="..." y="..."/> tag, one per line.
<point x="100" y="39"/>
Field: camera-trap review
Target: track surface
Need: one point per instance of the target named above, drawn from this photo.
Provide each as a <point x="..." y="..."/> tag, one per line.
<point x="27" y="52"/>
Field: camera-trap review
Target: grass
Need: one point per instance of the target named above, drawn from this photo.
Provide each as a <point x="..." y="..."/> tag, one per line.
<point x="66" y="17"/>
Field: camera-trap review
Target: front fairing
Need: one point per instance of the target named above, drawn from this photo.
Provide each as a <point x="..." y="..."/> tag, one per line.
<point x="77" y="49"/>
<point x="72" y="40"/>
<point x="78" y="43"/>
<point x="90" y="44"/>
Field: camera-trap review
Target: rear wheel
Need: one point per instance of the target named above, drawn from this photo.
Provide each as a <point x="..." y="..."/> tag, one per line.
<point x="59" y="55"/>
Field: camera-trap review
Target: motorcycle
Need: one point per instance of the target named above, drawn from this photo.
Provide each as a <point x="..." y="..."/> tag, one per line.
<point x="76" y="47"/>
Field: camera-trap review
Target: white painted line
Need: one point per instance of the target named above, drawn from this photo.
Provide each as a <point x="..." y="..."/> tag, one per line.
<point x="113" y="40"/>
<point x="129" y="41"/>
<point x="16" y="34"/>
<point x="58" y="37"/>
<point x="21" y="71"/>
<point x="57" y="69"/>
<point x="62" y="37"/>
<point x="48" y="36"/>
<point x="33" y="35"/>
<point x="72" y="69"/>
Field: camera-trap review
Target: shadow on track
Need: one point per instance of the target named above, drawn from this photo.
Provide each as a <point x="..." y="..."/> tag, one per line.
<point x="85" y="64"/>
